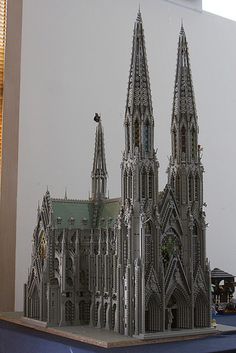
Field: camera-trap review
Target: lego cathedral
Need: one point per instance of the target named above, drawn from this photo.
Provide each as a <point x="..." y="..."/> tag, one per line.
<point x="134" y="264"/>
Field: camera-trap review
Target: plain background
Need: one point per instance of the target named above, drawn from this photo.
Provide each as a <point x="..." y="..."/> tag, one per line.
<point x="75" y="61"/>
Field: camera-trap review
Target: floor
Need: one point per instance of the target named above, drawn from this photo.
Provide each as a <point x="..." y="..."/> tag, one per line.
<point x="15" y="339"/>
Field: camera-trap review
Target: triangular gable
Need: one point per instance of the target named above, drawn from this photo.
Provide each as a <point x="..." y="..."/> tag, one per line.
<point x="175" y="275"/>
<point x="169" y="212"/>
<point x="199" y="283"/>
<point x="152" y="286"/>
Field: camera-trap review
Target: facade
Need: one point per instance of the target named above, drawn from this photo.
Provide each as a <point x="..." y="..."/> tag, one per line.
<point x="135" y="264"/>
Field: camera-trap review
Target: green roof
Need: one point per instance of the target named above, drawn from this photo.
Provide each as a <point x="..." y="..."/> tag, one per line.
<point x="109" y="210"/>
<point x="72" y="213"/>
<point x="79" y="214"/>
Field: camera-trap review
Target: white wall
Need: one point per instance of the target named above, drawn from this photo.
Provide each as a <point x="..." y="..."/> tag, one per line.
<point x="75" y="62"/>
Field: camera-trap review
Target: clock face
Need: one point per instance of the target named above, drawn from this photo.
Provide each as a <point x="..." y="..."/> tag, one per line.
<point x="42" y="245"/>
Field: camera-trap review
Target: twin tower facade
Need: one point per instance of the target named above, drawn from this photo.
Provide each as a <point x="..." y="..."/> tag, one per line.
<point x="135" y="264"/>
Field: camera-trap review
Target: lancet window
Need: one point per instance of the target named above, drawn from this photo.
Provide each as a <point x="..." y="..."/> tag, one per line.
<point x="130" y="184"/>
<point x="148" y="246"/>
<point x="147" y="136"/>
<point x="196" y="189"/>
<point x="128" y="136"/>
<point x="150" y="184"/>
<point x="183" y="139"/>
<point x="144" y="183"/>
<point x="196" y="247"/>
<point x="193" y="142"/>
<point x="125" y="184"/>
<point x="190" y="187"/>
<point x="172" y="182"/>
<point x="175" y="143"/>
<point x="177" y="181"/>
<point x="136" y="133"/>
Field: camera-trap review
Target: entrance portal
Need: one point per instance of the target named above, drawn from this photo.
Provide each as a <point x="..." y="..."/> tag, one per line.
<point x="171" y="314"/>
<point x="152" y="315"/>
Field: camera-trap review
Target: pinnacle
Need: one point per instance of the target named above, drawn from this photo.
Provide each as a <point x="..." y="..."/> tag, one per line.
<point x="182" y="32"/>
<point x="139" y="17"/>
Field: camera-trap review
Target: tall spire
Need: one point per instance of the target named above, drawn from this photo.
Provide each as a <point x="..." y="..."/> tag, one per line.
<point x="184" y="101"/>
<point x="139" y="92"/>
<point x="184" y="125"/>
<point x="139" y="110"/>
<point x="99" y="171"/>
<point x="139" y="129"/>
<point x="185" y="172"/>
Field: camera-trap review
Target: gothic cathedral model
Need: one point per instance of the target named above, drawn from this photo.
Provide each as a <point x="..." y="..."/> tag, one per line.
<point x="135" y="264"/>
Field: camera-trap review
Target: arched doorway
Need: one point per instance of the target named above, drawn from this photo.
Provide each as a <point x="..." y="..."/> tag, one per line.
<point x="201" y="311"/>
<point x="34" y="304"/>
<point x="177" y="313"/>
<point x="152" y="315"/>
<point x="69" y="311"/>
<point x="171" y="314"/>
<point x="84" y="311"/>
<point x="96" y="314"/>
<point x="113" y="313"/>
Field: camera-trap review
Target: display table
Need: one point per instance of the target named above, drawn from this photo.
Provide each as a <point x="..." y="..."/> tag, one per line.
<point x="18" y="336"/>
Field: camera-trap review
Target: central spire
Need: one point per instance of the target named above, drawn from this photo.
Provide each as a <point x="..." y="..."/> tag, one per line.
<point x="99" y="172"/>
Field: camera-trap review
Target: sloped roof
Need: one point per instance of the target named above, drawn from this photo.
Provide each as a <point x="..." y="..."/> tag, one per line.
<point x="217" y="273"/>
<point x="109" y="210"/>
<point x="80" y="211"/>
<point x="76" y="214"/>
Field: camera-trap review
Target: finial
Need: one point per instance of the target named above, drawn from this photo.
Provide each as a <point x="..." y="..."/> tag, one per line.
<point x="182" y="27"/>
<point x="139" y="17"/>
<point x="97" y="118"/>
<point x="65" y="197"/>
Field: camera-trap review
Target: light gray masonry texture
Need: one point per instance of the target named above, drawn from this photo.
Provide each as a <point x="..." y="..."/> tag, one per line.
<point x="136" y="264"/>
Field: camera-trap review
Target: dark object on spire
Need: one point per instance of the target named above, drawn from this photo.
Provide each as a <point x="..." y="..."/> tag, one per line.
<point x="97" y="118"/>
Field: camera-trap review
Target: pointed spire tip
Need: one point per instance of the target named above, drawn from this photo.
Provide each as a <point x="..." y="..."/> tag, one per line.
<point x="139" y="17"/>
<point x="65" y="197"/>
<point x="182" y="27"/>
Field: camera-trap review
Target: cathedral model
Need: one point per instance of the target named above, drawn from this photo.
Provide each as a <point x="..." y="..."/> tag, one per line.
<point x="135" y="264"/>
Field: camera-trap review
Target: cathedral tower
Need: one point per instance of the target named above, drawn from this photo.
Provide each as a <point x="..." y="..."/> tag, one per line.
<point x="139" y="165"/>
<point x="138" y="237"/>
<point x="186" y="180"/>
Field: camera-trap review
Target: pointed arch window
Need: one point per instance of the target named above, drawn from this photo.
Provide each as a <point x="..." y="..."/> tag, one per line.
<point x="183" y="139"/>
<point x="125" y="184"/>
<point x="144" y="183"/>
<point x="147" y="228"/>
<point x="130" y="184"/>
<point x="196" y="188"/>
<point x="147" y="136"/>
<point x="128" y="136"/>
<point x="193" y="142"/>
<point x="190" y="187"/>
<point x="172" y="182"/>
<point x="175" y="142"/>
<point x="177" y="181"/>
<point x="136" y="133"/>
<point x="150" y="184"/>
<point x="196" y="247"/>
<point x="148" y="246"/>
